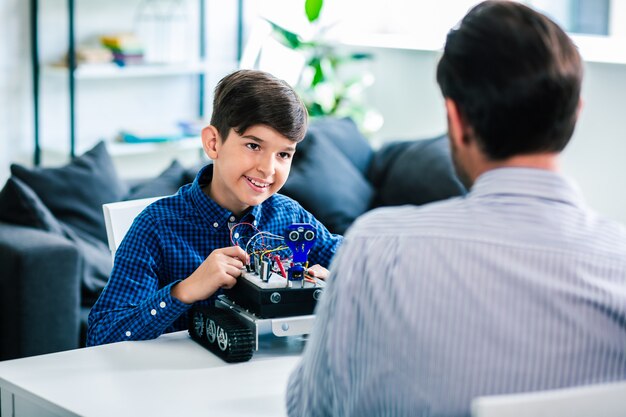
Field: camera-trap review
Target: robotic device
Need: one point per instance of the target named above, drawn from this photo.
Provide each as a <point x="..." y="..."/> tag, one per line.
<point x="273" y="295"/>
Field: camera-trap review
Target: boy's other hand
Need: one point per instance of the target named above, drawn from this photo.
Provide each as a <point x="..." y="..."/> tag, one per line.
<point x="219" y="270"/>
<point x="318" y="271"/>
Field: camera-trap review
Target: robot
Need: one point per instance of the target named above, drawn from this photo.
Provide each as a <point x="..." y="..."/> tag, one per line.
<point x="273" y="295"/>
<point x="300" y="239"/>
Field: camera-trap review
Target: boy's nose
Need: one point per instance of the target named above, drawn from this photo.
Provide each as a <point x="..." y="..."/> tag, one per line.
<point x="266" y="166"/>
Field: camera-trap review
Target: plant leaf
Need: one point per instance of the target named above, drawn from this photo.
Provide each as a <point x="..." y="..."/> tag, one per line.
<point x="318" y="77"/>
<point x="313" y="8"/>
<point x="286" y="37"/>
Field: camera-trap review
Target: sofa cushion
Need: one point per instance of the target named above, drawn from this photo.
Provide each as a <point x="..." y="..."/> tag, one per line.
<point x="414" y="172"/>
<point x="167" y="183"/>
<point x="96" y="263"/>
<point x="325" y="182"/>
<point x="345" y="136"/>
<point x="20" y="205"/>
<point x="75" y="192"/>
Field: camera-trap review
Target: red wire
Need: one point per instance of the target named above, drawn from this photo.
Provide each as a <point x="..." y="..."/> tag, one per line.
<point x="280" y="266"/>
<point x="241" y="224"/>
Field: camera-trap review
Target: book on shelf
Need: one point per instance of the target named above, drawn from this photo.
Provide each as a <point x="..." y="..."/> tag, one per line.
<point x="156" y="137"/>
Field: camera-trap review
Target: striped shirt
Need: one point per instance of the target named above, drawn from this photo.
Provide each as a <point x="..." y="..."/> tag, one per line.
<point x="515" y="287"/>
<point x="166" y="244"/>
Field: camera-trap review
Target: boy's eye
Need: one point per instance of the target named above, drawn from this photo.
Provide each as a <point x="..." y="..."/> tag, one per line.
<point x="253" y="146"/>
<point x="284" y="155"/>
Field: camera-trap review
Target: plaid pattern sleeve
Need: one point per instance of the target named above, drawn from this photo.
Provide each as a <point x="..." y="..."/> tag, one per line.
<point x="135" y="305"/>
<point x="166" y="244"/>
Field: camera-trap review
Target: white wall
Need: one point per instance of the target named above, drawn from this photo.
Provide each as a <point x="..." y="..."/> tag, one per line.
<point x="15" y="86"/>
<point x="406" y="93"/>
<point x="595" y="158"/>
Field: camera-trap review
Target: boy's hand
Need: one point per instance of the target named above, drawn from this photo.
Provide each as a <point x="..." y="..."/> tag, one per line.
<point x="219" y="270"/>
<point x="318" y="271"/>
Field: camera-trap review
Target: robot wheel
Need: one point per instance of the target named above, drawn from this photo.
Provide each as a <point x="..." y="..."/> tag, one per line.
<point x="221" y="333"/>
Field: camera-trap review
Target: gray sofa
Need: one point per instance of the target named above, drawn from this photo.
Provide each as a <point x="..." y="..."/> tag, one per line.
<point x="38" y="313"/>
<point x="53" y="248"/>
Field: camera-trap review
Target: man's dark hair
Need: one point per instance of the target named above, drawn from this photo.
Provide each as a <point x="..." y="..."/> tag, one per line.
<point x="515" y="77"/>
<point x="247" y="98"/>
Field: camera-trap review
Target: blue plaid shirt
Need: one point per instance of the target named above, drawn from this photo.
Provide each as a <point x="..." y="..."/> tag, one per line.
<point x="166" y="244"/>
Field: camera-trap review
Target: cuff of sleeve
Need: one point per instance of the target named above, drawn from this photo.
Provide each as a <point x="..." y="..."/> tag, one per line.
<point x="166" y="307"/>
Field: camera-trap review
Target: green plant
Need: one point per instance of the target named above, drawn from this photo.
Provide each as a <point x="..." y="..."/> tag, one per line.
<point x="330" y="84"/>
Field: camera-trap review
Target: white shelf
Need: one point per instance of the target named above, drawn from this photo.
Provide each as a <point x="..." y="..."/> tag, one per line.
<point x="112" y="71"/>
<point x="124" y="149"/>
<point x="601" y="49"/>
<point x="394" y="41"/>
<point x="598" y="49"/>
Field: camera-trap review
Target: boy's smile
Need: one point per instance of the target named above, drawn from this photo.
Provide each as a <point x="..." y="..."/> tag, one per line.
<point x="248" y="168"/>
<point x="258" y="185"/>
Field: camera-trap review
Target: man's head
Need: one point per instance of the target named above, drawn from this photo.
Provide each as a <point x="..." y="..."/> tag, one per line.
<point x="513" y="77"/>
<point x="257" y="122"/>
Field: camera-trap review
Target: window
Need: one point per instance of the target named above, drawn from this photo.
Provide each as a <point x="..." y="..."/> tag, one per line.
<point x="588" y="17"/>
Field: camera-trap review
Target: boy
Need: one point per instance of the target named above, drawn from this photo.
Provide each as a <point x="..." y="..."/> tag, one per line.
<point x="179" y="250"/>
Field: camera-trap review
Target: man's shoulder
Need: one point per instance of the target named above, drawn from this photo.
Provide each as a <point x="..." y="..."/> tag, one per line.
<point x="409" y="219"/>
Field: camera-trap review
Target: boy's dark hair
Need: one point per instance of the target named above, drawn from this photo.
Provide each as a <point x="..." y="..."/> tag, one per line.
<point x="247" y="98"/>
<point x="515" y="77"/>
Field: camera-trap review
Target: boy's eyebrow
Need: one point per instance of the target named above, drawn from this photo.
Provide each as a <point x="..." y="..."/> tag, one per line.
<point x="259" y="140"/>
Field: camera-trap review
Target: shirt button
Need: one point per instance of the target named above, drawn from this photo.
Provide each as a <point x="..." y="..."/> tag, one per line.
<point x="162" y="304"/>
<point x="215" y="224"/>
<point x="232" y="219"/>
<point x="254" y="222"/>
<point x="236" y="235"/>
<point x="128" y="333"/>
<point x="153" y="312"/>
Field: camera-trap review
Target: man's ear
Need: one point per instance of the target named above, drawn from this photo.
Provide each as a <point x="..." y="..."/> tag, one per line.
<point x="210" y="141"/>
<point x="456" y="124"/>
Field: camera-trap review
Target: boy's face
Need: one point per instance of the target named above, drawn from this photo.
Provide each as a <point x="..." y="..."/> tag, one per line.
<point x="247" y="168"/>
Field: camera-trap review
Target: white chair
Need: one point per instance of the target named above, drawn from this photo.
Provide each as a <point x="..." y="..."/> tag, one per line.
<point x="118" y="217"/>
<point x="602" y="400"/>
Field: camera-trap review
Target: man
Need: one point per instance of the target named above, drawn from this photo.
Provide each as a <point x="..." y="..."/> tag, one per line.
<point x="518" y="286"/>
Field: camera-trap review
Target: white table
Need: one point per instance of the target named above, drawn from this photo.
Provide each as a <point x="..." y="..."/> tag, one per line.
<point x="168" y="376"/>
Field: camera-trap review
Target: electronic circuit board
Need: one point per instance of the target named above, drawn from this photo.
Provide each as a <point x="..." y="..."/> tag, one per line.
<point x="274" y="298"/>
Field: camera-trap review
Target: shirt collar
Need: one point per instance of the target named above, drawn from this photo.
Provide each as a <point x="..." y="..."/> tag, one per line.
<point x="539" y="183"/>
<point x="212" y="212"/>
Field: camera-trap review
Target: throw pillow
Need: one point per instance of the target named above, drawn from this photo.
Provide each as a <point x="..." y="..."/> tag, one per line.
<point x="20" y="205"/>
<point x="167" y="183"/>
<point x="414" y="172"/>
<point x="345" y="136"/>
<point x="327" y="184"/>
<point x="75" y="192"/>
<point x="96" y="263"/>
